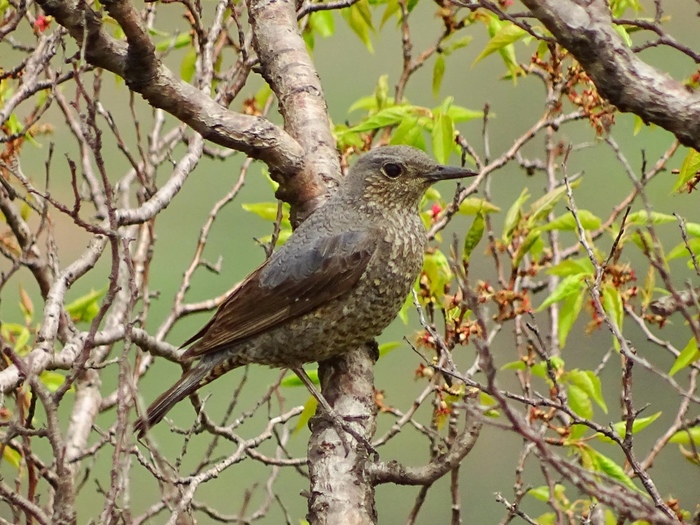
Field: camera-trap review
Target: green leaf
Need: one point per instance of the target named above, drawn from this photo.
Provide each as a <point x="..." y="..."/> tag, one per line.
<point x="693" y="229"/>
<point x="641" y="218"/>
<point x="542" y="493"/>
<point x="567" y="222"/>
<point x="13" y="457"/>
<point x="385" y="117"/>
<point x="506" y="36"/>
<point x="623" y="34"/>
<point x="568" y="313"/>
<point x="637" y="425"/>
<point x="410" y="133"/>
<point x="437" y="269"/>
<point x="460" y="114"/>
<point x="514" y="214"/>
<point x="515" y="365"/>
<point x="580" y="402"/>
<point x="359" y="18"/>
<point x="381" y="92"/>
<point x="572" y="267"/>
<point x="322" y="23"/>
<point x="474" y="235"/>
<point x="368" y="103"/>
<point x="548" y="518"/>
<point x="306" y="414"/>
<point x="188" y="65"/>
<point x="438" y="73"/>
<point x="689" y="170"/>
<point x="542" y="206"/>
<point x="587" y="381"/>
<point x="385" y="348"/>
<point x="291" y="379"/>
<point x="684" y="437"/>
<point x="268" y="211"/>
<point x="541" y="369"/>
<point x="681" y="250"/>
<point x="177" y="42"/>
<point x="570" y="285"/>
<point x="526" y="246"/>
<point x="474" y="205"/>
<point x="688" y="355"/>
<point x="457" y="44"/>
<point x="607" y="466"/>
<point x="612" y="304"/>
<point x="443" y="136"/>
<point x="85" y="308"/>
<point x="17" y="334"/>
<point x="52" y="380"/>
<point x="392" y="7"/>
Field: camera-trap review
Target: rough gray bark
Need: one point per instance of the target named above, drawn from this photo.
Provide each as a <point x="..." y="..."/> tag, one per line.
<point x="585" y="29"/>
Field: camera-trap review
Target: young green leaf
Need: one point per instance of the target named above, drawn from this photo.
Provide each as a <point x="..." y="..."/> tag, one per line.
<point x="681" y="250"/>
<point x="437" y="269"/>
<point x="621" y="427"/>
<point x="359" y="18"/>
<point x="685" y="437"/>
<point x="526" y="246"/>
<point x="85" y="308"/>
<point x="474" y="235"/>
<point x="460" y="114"/>
<point x="689" y="170"/>
<point x="188" y="65"/>
<point x="386" y="117"/>
<point x="570" y="285"/>
<point x="443" y="136"/>
<point x="514" y="214"/>
<point x="642" y="218"/>
<point x="438" y="73"/>
<point x="567" y="222"/>
<point x="587" y="381"/>
<point x="474" y="205"/>
<point x="505" y="36"/>
<point x="568" y="313"/>
<point x="607" y="466"/>
<point x="306" y="414"/>
<point x="612" y="304"/>
<point x="572" y="267"/>
<point x="542" y="206"/>
<point x="322" y="23"/>
<point x="410" y="133"/>
<point x="688" y="355"/>
<point x="291" y="379"/>
<point x="580" y="402"/>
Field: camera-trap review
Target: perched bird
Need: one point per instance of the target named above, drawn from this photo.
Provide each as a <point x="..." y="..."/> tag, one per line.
<point x="337" y="282"/>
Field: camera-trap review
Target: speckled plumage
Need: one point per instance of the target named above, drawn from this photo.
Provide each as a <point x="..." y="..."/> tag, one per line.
<point x="338" y="281"/>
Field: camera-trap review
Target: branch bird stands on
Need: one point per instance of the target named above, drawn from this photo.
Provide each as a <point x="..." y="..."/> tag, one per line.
<point x="337" y="282"/>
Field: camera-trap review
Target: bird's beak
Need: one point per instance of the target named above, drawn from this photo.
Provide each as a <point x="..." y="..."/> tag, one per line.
<point x="448" y="172"/>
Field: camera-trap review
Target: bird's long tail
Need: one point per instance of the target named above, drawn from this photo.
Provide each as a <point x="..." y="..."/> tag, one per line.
<point x="186" y="385"/>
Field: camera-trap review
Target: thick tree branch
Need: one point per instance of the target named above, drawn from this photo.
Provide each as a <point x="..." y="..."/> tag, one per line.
<point x="394" y="472"/>
<point x="143" y="72"/>
<point x="585" y="29"/>
<point x="287" y="67"/>
<point x="340" y="488"/>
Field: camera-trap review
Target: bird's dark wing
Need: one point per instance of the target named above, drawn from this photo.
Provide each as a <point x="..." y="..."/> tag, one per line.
<point x="291" y="283"/>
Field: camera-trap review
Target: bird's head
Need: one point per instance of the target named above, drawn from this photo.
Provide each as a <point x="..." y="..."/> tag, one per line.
<point x="397" y="176"/>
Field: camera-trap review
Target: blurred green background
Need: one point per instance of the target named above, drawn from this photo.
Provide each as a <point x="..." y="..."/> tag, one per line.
<point x="348" y="71"/>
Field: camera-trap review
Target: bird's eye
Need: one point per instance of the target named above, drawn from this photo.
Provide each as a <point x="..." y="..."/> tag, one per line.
<point x="392" y="170"/>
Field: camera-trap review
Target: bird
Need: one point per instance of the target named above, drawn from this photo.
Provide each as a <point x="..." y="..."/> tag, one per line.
<point x="337" y="282"/>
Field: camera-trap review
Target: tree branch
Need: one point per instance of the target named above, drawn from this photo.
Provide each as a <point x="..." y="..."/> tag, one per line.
<point x="143" y="72"/>
<point x="585" y="29"/>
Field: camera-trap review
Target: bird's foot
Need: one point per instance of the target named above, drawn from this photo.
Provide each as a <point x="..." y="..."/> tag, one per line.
<point x="341" y="424"/>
